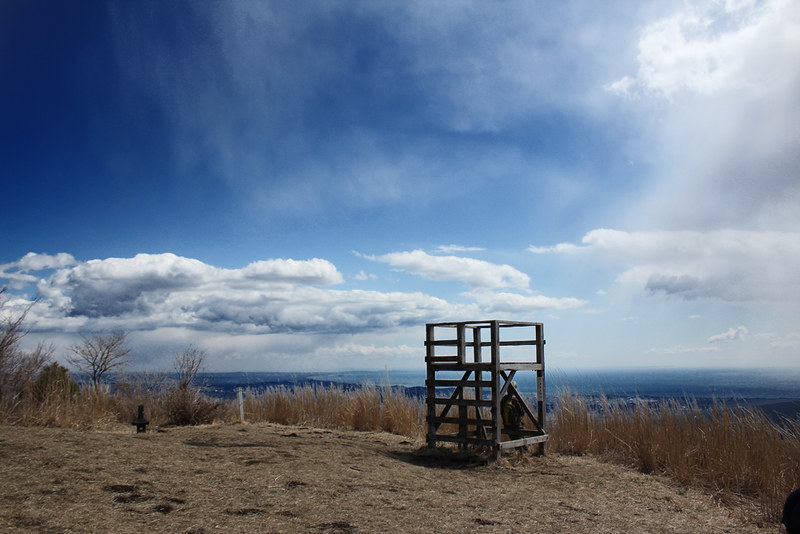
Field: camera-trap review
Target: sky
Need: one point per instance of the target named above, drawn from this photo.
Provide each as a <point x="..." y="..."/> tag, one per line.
<point x="300" y="186"/>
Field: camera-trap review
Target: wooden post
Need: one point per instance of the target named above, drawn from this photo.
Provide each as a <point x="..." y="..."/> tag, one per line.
<point x="540" y="399"/>
<point x="430" y="383"/>
<point x="463" y="409"/>
<point x="476" y="351"/>
<point x="240" y="395"/>
<point x="494" y="338"/>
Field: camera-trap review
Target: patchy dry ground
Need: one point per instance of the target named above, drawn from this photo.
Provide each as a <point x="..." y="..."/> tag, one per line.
<point x="270" y="478"/>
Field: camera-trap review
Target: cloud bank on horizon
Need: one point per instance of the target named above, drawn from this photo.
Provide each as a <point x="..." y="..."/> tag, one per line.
<point x="627" y="174"/>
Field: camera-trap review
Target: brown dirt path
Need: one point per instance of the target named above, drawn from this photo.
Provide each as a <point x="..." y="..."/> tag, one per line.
<point x="271" y="478"/>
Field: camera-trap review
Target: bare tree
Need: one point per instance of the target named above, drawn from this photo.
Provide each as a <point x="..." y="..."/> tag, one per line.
<point x="99" y="354"/>
<point x="18" y="368"/>
<point x="188" y="364"/>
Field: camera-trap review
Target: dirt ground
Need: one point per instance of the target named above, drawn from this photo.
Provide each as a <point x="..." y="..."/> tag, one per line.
<point x="271" y="478"/>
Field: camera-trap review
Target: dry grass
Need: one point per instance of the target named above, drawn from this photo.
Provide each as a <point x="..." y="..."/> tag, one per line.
<point x="274" y="478"/>
<point x="365" y="408"/>
<point x="88" y="409"/>
<point x="734" y="453"/>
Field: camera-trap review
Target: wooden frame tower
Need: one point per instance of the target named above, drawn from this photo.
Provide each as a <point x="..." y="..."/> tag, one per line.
<point x="473" y="364"/>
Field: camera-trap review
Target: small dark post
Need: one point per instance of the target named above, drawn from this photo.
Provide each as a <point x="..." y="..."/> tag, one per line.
<point x="140" y="422"/>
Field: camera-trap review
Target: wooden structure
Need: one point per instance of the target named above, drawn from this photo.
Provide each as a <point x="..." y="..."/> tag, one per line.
<point x="473" y="364"/>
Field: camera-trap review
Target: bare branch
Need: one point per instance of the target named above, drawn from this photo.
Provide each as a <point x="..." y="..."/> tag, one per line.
<point x="18" y="368"/>
<point x="188" y="364"/>
<point x="100" y="354"/>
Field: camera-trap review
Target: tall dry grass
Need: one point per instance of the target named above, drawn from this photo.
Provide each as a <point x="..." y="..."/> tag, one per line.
<point x="365" y="408"/>
<point x="99" y="409"/>
<point x="732" y="452"/>
<point x="87" y="409"/>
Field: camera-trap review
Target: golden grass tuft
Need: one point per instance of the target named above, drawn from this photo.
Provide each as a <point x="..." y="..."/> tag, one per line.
<point x="364" y="408"/>
<point x="731" y="452"/>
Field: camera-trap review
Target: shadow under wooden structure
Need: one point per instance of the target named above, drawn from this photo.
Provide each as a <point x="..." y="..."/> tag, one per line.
<point x="473" y="364"/>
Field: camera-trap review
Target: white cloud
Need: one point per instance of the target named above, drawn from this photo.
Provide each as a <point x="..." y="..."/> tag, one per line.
<point x="708" y="47"/>
<point x="475" y="273"/>
<point x="724" y="145"/>
<point x="118" y="286"/>
<point x="165" y="290"/>
<point x="39" y="262"/>
<point x="564" y="248"/>
<point x="362" y="275"/>
<point x="731" y="334"/>
<point x="731" y="265"/>
<point x="18" y="273"/>
<point x="504" y="302"/>
<point x="312" y="272"/>
<point x="447" y="249"/>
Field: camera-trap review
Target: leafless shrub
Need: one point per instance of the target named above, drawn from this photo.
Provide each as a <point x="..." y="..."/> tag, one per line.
<point x="188" y="364"/>
<point x="185" y="403"/>
<point x="189" y="407"/>
<point x="18" y="368"/>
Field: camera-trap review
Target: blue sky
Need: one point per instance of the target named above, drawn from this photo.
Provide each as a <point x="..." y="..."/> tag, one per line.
<point x="303" y="185"/>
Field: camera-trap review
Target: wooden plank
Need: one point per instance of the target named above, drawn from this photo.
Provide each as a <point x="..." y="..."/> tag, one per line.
<point x="463" y="402"/>
<point x="439" y="420"/>
<point x="523" y="441"/>
<point x="468" y="441"/>
<point x="447" y="366"/>
<point x="448" y="358"/>
<point x="484" y="324"/>
<point x="521" y="343"/>
<point x="521" y="366"/>
<point x="507" y="379"/>
<point x="466" y="383"/>
<point x="441" y="342"/>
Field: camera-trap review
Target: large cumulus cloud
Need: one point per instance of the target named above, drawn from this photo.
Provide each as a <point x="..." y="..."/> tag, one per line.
<point x="161" y="291"/>
<point x="150" y="291"/>
<point x="731" y="265"/>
